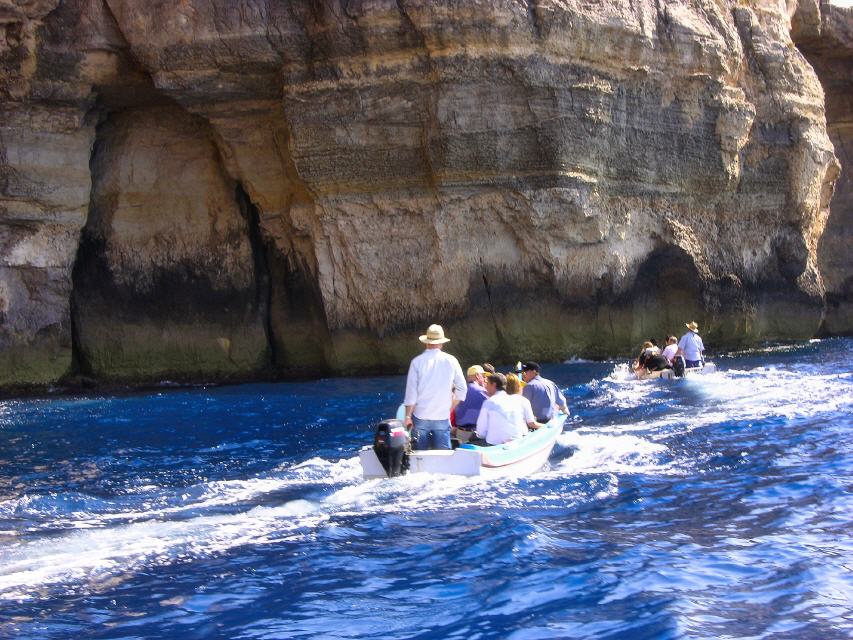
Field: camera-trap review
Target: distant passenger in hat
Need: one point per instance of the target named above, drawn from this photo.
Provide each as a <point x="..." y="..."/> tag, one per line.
<point x="468" y="410"/>
<point x="545" y="397"/>
<point x="691" y="347"/>
<point x="433" y="378"/>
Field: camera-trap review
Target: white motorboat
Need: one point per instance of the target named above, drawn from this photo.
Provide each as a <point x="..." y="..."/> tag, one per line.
<point x="518" y="457"/>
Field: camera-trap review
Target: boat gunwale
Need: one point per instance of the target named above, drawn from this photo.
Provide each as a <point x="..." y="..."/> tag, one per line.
<point x="555" y="425"/>
<point x="548" y="444"/>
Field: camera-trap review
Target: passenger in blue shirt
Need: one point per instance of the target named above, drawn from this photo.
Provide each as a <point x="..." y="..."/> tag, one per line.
<point x="543" y="394"/>
<point x="468" y="410"/>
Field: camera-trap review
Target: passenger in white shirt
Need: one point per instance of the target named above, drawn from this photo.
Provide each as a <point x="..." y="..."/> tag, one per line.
<point x="671" y="348"/>
<point x="432" y="379"/>
<point x="503" y="417"/>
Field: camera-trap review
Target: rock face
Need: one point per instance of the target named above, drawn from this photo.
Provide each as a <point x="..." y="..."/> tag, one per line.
<point x="214" y="189"/>
<point x="825" y="35"/>
<point x="165" y="279"/>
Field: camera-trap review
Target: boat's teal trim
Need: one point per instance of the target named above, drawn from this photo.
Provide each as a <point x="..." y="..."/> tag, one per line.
<point x="503" y="454"/>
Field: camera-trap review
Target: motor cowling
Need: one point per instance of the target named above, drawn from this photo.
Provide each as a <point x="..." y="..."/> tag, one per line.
<point x="678" y="366"/>
<point x="392" y="445"/>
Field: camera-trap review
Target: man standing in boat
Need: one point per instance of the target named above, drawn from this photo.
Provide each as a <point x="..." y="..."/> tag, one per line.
<point x="691" y="347"/>
<point x="432" y="379"/>
<point x="543" y="394"/>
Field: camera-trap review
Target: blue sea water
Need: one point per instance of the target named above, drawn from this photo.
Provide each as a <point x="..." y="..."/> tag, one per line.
<point x="717" y="506"/>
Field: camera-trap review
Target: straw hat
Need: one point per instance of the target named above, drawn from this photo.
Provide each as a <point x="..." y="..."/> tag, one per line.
<point x="434" y="335"/>
<point x="475" y="369"/>
<point x="692" y="326"/>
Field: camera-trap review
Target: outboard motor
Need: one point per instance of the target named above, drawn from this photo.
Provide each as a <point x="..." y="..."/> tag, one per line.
<point x="392" y="446"/>
<point x="678" y="366"/>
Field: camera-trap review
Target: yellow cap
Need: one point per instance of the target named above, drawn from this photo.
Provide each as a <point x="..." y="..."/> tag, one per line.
<point x="473" y="370"/>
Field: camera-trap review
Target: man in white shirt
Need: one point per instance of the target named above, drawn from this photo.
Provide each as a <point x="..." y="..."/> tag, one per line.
<point x="432" y="379"/>
<point x="690" y="346"/>
<point x="503" y="417"/>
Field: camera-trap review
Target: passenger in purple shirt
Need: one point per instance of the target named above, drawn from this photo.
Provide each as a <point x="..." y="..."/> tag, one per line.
<point x="543" y="394"/>
<point x="468" y="410"/>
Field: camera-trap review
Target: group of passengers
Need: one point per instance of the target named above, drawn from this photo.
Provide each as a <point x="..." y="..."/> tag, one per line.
<point x="489" y="408"/>
<point x="689" y="346"/>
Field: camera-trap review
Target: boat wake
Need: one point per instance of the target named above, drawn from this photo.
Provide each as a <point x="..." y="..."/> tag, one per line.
<point x="619" y="454"/>
<point x="81" y="542"/>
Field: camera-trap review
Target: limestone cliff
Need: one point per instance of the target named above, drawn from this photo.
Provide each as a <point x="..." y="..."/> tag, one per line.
<point x="215" y="189"/>
<point x="825" y="35"/>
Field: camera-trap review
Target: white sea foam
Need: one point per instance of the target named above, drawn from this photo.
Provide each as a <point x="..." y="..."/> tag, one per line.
<point x="90" y="555"/>
<point x="114" y="544"/>
<point x="108" y="546"/>
<point x="604" y="453"/>
<point x="621" y="372"/>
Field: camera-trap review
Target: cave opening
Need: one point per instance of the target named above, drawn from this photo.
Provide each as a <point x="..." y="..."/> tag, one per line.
<point x="666" y="294"/>
<point x="170" y="276"/>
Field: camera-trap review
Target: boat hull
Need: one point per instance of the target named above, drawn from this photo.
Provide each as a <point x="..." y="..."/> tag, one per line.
<point x="669" y="374"/>
<point x="517" y="458"/>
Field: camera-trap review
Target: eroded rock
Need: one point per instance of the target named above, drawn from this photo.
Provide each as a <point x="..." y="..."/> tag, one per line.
<point x="544" y="178"/>
<point x="165" y="281"/>
<point x="824" y="32"/>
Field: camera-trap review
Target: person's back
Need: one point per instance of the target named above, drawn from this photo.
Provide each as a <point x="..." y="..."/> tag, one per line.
<point x="647" y="351"/>
<point x="657" y="362"/>
<point x="433" y="367"/>
<point x="468" y="410"/>
<point x="433" y="376"/>
<point x="513" y="384"/>
<point x="501" y="419"/>
<point x="691" y="346"/>
<point x="543" y="394"/>
<point x="671" y="348"/>
<point x="526" y="410"/>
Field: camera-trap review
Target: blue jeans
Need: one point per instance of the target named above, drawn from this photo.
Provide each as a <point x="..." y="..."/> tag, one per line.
<point x="437" y="430"/>
<point x="692" y="364"/>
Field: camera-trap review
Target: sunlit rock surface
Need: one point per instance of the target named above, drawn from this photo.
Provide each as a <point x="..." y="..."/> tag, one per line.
<point x="824" y="33"/>
<point x="226" y="189"/>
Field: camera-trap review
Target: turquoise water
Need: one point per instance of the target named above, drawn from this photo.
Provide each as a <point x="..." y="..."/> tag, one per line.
<point x="712" y="507"/>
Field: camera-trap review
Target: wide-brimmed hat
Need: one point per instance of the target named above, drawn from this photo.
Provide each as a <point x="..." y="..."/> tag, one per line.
<point x="692" y="326"/>
<point x="475" y="369"/>
<point x="434" y="335"/>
